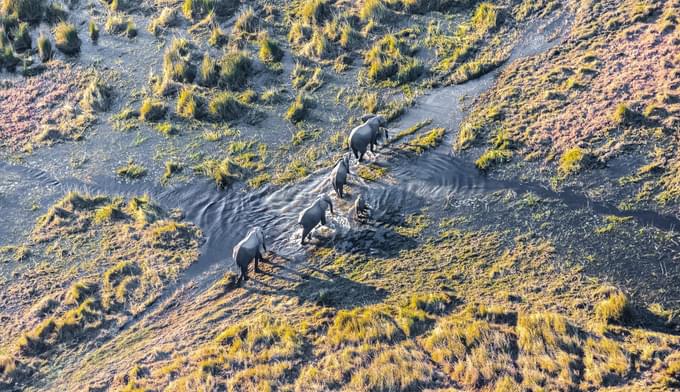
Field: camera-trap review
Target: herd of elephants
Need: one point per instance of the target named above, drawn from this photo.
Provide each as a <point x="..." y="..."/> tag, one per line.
<point x="360" y="139"/>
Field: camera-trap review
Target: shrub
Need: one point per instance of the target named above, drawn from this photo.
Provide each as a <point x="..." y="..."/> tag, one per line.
<point x="297" y="110"/>
<point x="31" y="11"/>
<point x="66" y="38"/>
<point x="170" y="169"/>
<point x="152" y="110"/>
<point x="235" y="68"/>
<point x="426" y="141"/>
<point x="613" y="309"/>
<point x="166" y="129"/>
<point x="226" y="107"/>
<point x="269" y="52"/>
<point x="389" y="59"/>
<point x="80" y="291"/>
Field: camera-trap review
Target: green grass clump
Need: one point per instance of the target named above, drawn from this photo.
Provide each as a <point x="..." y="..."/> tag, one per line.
<point x="246" y="23"/>
<point x="235" y="67"/>
<point x="373" y="10"/>
<point x="93" y="30"/>
<point x="187" y="104"/>
<point x="131" y="170"/>
<point x="66" y="38"/>
<point x="314" y="12"/>
<point x="614" y="309"/>
<point x="486" y="17"/>
<point x="299" y="33"/>
<point x="44" y="48"/>
<point x="31" y="11"/>
<point x="363" y="325"/>
<point x="349" y="38"/>
<point x="270" y="51"/>
<point x="22" y="38"/>
<point x="80" y="291"/>
<point x="426" y="141"/>
<point x="194" y="9"/>
<point x="389" y="58"/>
<point x="209" y="72"/>
<point x="411" y="130"/>
<point x="177" y="63"/>
<point x="152" y="110"/>
<point x="167" y="18"/>
<point x="623" y="115"/>
<point x="491" y="157"/>
<point x="166" y="128"/>
<point x="224" y="172"/>
<point x="108" y="212"/>
<point x="399" y="368"/>
<point x="97" y="96"/>
<point x="116" y="23"/>
<point x="570" y="162"/>
<point x="226" y="106"/>
<point x="371" y="172"/>
<point x="297" y="110"/>
<point x="170" y="169"/>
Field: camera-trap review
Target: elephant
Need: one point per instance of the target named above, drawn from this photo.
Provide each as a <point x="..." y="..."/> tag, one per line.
<point x="339" y="175"/>
<point x="361" y="209"/>
<point x="251" y="247"/>
<point x="367" y="134"/>
<point x="312" y="215"/>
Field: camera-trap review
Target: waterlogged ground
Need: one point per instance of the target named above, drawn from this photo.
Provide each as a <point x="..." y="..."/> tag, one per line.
<point x="529" y="273"/>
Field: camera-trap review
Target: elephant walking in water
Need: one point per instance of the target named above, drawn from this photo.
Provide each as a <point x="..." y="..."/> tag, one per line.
<point x="339" y="175"/>
<point x="251" y="247"/>
<point x="311" y="216"/>
<point x="367" y="134"/>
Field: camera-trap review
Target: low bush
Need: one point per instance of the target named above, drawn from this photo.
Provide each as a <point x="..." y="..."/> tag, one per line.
<point x="152" y="110"/>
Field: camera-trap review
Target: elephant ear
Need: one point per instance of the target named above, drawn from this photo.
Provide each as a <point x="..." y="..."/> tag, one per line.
<point x="367" y="117"/>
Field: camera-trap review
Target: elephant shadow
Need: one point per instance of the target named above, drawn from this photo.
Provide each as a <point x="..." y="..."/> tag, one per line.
<point x="311" y="285"/>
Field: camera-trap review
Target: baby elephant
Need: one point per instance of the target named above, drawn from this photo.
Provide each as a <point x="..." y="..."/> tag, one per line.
<point x="367" y="134"/>
<point x="312" y="215"/>
<point x="251" y="247"/>
<point x="361" y="211"/>
<point x="339" y="175"/>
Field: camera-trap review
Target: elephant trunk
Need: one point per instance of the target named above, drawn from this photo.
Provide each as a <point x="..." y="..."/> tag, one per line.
<point x="331" y="207"/>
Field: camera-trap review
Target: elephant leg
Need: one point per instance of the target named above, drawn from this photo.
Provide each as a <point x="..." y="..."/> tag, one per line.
<point x="356" y="153"/>
<point x="323" y="219"/>
<point x="361" y="157"/>
<point x="258" y="257"/>
<point x="373" y="148"/>
<point x="341" y="191"/>
<point x="305" y="231"/>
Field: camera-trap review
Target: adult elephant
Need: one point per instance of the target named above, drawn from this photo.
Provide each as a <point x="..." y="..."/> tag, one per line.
<point x="367" y="134"/>
<point x="251" y="247"/>
<point x="339" y="175"/>
<point x="311" y="216"/>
